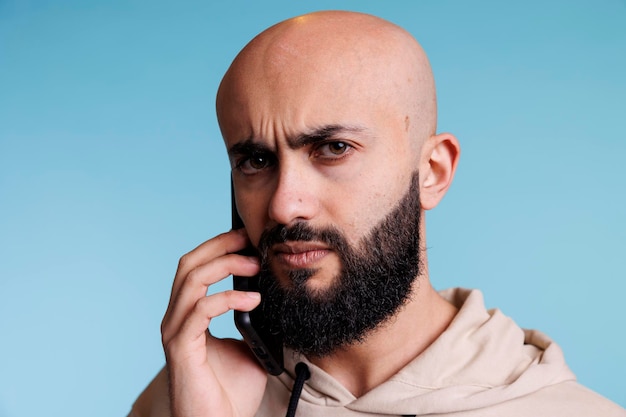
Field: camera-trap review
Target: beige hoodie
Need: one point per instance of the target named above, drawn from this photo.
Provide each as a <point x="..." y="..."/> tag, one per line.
<point x="482" y="365"/>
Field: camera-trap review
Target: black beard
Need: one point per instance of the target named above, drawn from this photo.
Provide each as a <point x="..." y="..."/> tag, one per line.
<point x="376" y="279"/>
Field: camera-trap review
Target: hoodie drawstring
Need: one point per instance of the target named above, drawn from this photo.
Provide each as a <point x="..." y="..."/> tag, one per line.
<point x="302" y="374"/>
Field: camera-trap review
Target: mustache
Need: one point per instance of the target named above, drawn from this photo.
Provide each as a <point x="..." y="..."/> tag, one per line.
<point x="300" y="232"/>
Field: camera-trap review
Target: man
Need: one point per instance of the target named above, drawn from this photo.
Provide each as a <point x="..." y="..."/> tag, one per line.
<point x="330" y="124"/>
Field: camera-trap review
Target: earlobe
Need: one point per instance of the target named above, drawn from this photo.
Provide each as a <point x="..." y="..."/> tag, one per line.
<point x="440" y="156"/>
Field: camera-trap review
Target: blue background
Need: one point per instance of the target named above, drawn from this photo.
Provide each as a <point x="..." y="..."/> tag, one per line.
<point x="112" y="167"/>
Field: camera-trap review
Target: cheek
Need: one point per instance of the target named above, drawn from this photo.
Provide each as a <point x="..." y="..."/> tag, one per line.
<point x="253" y="213"/>
<point x="364" y="206"/>
<point x="384" y="185"/>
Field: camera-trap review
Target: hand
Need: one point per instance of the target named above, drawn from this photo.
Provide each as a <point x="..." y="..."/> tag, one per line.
<point x="210" y="376"/>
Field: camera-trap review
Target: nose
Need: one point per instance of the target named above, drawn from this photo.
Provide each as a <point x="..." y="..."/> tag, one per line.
<point x="295" y="196"/>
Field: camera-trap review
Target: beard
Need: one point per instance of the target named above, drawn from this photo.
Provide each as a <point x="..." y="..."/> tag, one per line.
<point x="375" y="281"/>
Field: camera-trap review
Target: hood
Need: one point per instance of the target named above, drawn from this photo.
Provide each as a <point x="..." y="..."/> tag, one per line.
<point x="482" y="359"/>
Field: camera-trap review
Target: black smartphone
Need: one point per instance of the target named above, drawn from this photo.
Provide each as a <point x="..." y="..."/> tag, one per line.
<point x="267" y="347"/>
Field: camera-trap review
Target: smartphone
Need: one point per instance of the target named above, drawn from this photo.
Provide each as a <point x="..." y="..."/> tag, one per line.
<point x="266" y="346"/>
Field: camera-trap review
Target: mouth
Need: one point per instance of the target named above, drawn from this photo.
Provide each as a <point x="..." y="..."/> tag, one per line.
<point x="298" y="255"/>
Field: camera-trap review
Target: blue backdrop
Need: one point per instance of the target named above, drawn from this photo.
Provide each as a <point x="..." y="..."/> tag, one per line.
<point x="112" y="166"/>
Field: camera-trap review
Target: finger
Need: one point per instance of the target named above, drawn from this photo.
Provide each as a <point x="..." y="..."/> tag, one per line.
<point x="192" y="333"/>
<point x="196" y="283"/>
<point x="229" y="242"/>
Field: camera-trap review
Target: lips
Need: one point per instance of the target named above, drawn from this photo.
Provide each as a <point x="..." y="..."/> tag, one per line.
<point x="300" y="254"/>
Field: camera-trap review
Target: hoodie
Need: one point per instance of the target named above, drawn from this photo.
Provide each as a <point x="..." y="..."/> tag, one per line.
<point x="482" y="365"/>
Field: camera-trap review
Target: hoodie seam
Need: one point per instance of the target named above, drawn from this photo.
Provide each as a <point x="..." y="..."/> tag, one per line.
<point x="430" y="387"/>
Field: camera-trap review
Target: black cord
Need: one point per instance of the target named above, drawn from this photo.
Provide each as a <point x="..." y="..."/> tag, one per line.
<point x="302" y="374"/>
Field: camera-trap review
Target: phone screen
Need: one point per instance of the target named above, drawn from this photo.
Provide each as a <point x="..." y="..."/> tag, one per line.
<point x="266" y="346"/>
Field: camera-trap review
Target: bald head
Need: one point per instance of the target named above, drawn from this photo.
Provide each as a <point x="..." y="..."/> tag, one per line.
<point x="329" y="120"/>
<point x="322" y="65"/>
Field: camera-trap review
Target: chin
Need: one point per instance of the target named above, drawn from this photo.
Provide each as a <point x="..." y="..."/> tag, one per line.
<point x="320" y="285"/>
<point x="317" y="283"/>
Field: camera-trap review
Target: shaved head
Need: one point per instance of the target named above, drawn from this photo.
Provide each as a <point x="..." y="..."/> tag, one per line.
<point x="334" y="57"/>
<point x="329" y="120"/>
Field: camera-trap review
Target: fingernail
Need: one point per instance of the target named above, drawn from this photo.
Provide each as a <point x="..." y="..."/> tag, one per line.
<point x="254" y="295"/>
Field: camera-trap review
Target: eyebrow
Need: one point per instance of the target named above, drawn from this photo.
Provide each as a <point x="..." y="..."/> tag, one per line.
<point x="320" y="135"/>
<point x="249" y="146"/>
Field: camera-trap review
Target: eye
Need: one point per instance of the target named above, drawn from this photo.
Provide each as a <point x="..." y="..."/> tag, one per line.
<point x="258" y="161"/>
<point x="254" y="163"/>
<point x="337" y="148"/>
<point x="332" y="149"/>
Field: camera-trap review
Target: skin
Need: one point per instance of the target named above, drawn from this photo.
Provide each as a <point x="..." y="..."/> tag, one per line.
<point x="326" y="117"/>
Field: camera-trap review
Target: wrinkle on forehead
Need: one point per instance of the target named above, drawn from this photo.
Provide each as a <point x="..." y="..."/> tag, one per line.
<point x="344" y="55"/>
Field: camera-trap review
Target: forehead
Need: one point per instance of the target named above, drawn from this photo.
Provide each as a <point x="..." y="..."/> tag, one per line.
<point x="294" y="104"/>
<point x="305" y="138"/>
<point x="301" y="76"/>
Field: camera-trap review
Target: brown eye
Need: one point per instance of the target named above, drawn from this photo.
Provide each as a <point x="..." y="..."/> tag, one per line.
<point x="333" y="151"/>
<point x="337" y="148"/>
<point x="258" y="162"/>
<point x="255" y="163"/>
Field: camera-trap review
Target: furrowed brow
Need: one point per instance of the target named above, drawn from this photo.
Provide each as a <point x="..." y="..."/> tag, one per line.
<point x="320" y="135"/>
<point x="247" y="147"/>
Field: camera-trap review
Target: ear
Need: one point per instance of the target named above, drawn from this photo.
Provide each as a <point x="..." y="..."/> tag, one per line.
<point x="439" y="158"/>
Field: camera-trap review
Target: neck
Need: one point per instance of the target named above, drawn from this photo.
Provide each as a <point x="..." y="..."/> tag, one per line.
<point x="363" y="366"/>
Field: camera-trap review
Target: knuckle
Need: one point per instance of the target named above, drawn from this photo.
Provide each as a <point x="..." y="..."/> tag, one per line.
<point x="194" y="276"/>
<point x="184" y="261"/>
<point x="163" y="328"/>
<point x="166" y="338"/>
<point x="231" y="298"/>
<point x="170" y="346"/>
<point x="203" y="305"/>
<point x="215" y="304"/>
<point x="166" y="333"/>
<point x="231" y="295"/>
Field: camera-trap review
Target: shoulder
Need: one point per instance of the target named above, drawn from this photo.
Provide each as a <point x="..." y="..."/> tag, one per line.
<point x="577" y="400"/>
<point x="566" y="399"/>
<point x="154" y="400"/>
